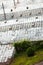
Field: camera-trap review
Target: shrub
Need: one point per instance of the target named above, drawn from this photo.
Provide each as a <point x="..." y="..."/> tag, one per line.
<point x="18" y="47"/>
<point x="25" y="45"/>
<point x="41" y="45"/>
<point x="37" y="45"/>
<point x="30" y="52"/>
<point x="21" y="46"/>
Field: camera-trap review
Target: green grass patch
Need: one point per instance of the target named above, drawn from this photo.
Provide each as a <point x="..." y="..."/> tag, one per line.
<point x="23" y="59"/>
<point x="21" y="56"/>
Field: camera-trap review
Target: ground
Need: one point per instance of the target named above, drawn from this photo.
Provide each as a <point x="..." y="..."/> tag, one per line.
<point x="22" y="59"/>
<point x="41" y="63"/>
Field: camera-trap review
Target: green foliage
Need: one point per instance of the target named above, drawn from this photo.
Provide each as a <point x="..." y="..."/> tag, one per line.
<point x="24" y="60"/>
<point x="18" y="47"/>
<point x="30" y="52"/>
<point x="37" y="45"/>
<point x="25" y="49"/>
<point x="25" y="45"/>
<point x="21" y="46"/>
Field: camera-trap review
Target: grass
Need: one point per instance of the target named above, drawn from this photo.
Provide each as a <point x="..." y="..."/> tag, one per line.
<point x="22" y="59"/>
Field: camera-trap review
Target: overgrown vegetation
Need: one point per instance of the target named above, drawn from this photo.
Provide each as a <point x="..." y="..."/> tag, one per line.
<point x="22" y="46"/>
<point x="29" y="47"/>
<point x="23" y="59"/>
<point x="28" y="53"/>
